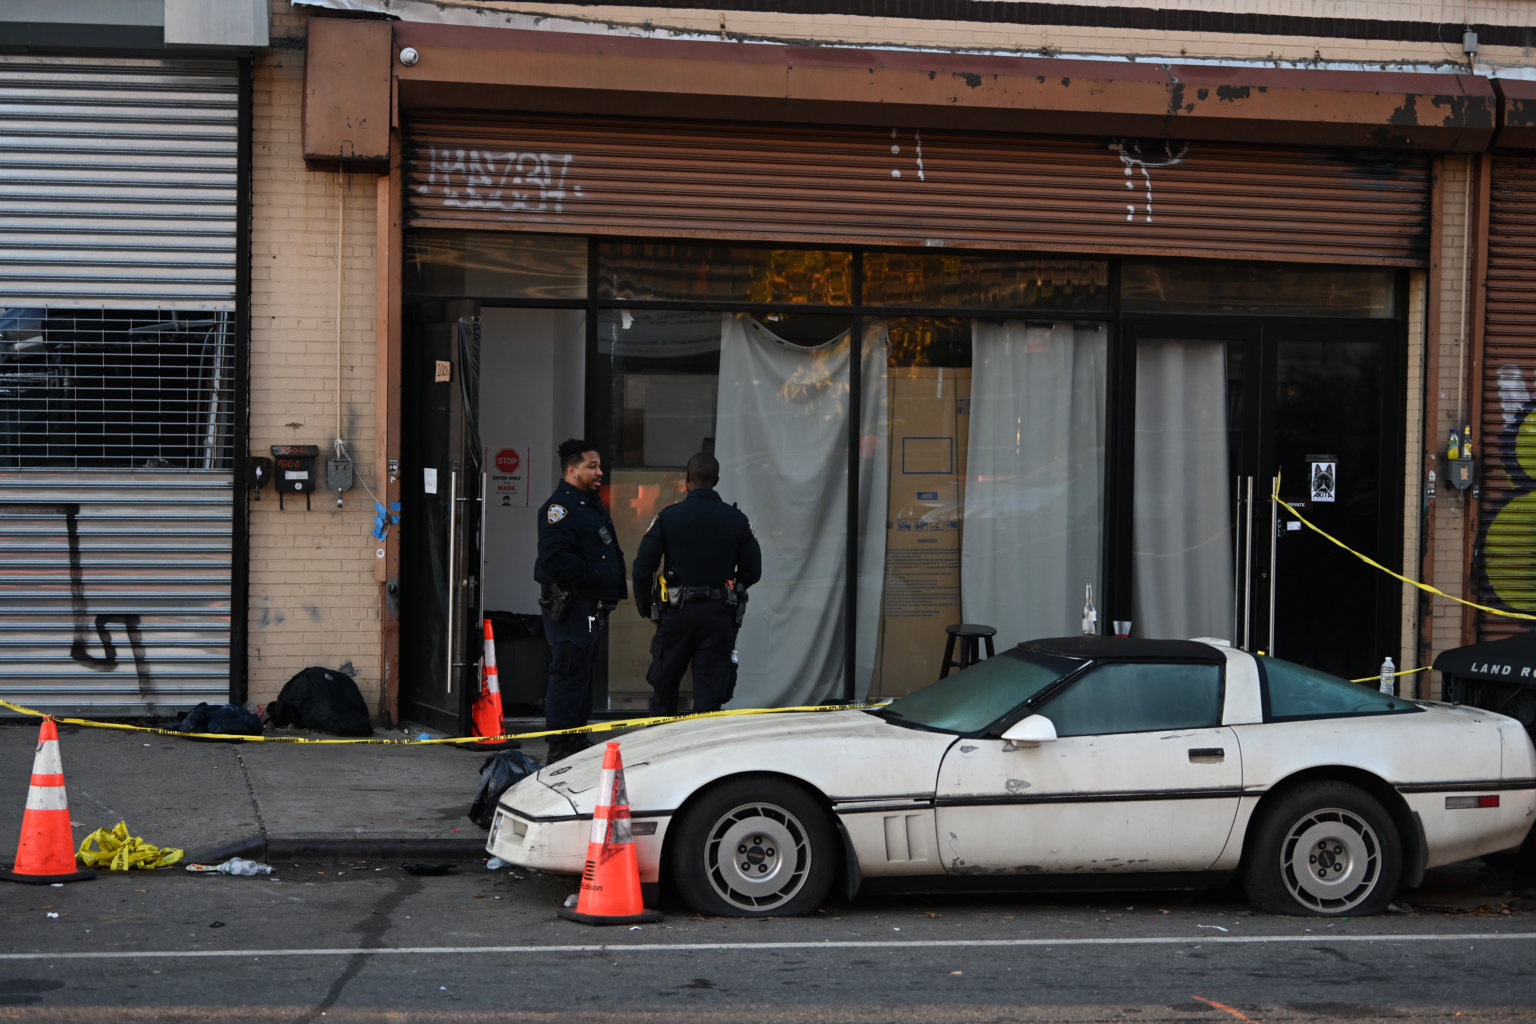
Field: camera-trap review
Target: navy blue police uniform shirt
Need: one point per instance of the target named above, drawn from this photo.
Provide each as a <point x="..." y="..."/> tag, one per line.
<point x="579" y="547"/>
<point x="706" y="542"/>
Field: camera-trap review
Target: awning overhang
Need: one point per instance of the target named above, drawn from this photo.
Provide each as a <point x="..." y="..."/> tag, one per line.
<point x="1509" y="660"/>
<point x="457" y="67"/>
<point x="569" y="73"/>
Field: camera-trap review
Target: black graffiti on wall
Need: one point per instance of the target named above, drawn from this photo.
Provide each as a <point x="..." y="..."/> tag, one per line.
<point x="80" y="614"/>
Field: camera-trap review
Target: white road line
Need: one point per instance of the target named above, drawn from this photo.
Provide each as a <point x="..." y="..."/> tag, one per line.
<point x="730" y="947"/>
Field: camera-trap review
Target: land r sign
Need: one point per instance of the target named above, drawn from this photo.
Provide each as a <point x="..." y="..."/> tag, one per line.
<point x="509" y="478"/>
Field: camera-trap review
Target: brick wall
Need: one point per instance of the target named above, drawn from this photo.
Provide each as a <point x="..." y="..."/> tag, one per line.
<point x="313" y="597"/>
<point x="1450" y="401"/>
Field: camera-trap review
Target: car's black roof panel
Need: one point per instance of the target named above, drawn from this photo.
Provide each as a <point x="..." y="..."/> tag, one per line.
<point x="1111" y="648"/>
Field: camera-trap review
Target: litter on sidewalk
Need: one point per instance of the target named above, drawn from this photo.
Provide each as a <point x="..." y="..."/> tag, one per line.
<point x="117" y="850"/>
<point x="233" y="866"/>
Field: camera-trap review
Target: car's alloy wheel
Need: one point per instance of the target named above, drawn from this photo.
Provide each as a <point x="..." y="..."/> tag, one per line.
<point x="754" y="847"/>
<point x="1325" y="849"/>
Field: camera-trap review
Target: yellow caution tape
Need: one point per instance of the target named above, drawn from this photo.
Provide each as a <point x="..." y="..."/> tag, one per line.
<point x="1404" y="672"/>
<point x="116" y="850"/>
<point x="628" y="723"/>
<point x="1275" y="497"/>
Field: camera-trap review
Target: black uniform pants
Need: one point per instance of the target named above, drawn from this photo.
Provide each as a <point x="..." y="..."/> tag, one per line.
<point x="574" y="643"/>
<point x="702" y="631"/>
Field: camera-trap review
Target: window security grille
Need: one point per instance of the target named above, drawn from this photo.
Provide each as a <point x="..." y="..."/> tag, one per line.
<point x="115" y="389"/>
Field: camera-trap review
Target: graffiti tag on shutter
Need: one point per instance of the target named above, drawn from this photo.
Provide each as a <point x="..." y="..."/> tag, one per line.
<point x="1134" y="159"/>
<point x="476" y="179"/>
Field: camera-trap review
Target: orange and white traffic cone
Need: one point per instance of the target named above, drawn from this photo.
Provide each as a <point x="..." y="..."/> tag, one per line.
<point x="46" y="851"/>
<point x="486" y="712"/>
<point x="610" y="885"/>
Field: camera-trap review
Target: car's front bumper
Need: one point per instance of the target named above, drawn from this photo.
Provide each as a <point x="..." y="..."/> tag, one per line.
<point x="538" y="827"/>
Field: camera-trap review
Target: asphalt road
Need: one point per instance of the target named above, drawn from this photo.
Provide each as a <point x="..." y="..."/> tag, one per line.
<point x="370" y="942"/>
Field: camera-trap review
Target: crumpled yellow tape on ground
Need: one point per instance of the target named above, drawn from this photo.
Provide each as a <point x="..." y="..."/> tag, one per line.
<point x="116" y="850"/>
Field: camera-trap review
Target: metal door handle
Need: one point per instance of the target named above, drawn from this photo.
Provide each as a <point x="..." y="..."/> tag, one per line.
<point x="1247" y="572"/>
<point x="1274" y="529"/>
<point x="449" y="633"/>
<point x="1207" y="753"/>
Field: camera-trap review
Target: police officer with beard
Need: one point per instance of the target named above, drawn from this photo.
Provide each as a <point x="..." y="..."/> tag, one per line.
<point x="711" y="558"/>
<point x="580" y="570"/>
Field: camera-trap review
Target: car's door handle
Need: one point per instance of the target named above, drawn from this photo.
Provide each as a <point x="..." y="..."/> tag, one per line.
<point x="1207" y="754"/>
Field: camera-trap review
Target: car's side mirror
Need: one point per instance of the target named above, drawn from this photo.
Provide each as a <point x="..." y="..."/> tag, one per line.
<point x="1029" y="732"/>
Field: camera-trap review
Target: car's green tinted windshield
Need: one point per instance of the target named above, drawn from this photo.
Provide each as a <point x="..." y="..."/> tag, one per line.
<point x="975" y="697"/>
<point x="1295" y="691"/>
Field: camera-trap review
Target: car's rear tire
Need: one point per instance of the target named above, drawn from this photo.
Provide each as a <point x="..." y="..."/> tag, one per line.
<point x="1324" y="850"/>
<point x="754" y="847"/>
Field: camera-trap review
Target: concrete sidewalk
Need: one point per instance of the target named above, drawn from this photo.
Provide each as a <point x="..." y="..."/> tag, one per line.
<point x="260" y="800"/>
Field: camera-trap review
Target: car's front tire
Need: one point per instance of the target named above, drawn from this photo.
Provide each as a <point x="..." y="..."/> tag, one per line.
<point x="1325" y="849"/>
<point x="754" y="847"/>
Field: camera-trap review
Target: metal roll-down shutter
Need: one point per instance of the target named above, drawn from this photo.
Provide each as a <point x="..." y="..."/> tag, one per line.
<point x="874" y="186"/>
<point x="118" y="228"/>
<point x="1505" y="437"/>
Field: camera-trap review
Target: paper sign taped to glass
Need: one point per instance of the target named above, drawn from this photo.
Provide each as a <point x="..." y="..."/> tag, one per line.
<point x="1324" y="480"/>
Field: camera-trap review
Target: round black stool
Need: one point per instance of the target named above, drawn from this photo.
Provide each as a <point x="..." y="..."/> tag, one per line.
<point x="970" y="636"/>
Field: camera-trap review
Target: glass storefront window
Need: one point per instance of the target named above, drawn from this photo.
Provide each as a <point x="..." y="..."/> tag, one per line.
<point x="769" y="398"/>
<point x="996" y="463"/>
<point x="649" y="272"/>
<point x="1188" y="405"/>
<point x="948" y="280"/>
<point x="1174" y="286"/>
<point x="495" y="265"/>
<point x="962" y="398"/>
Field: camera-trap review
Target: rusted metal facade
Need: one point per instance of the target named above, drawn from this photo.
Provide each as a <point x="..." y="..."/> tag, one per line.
<point x="1504" y="441"/>
<point x="881" y="186"/>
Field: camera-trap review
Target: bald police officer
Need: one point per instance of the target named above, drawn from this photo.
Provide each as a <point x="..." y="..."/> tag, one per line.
<point x="580" y="570"/>
<point x="709" y="551"/>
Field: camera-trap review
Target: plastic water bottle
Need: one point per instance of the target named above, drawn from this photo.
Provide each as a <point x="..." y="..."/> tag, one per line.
<point x="1388" y="685"/>
<point x="241" y="866"/>
<point x="1090" y="613"/>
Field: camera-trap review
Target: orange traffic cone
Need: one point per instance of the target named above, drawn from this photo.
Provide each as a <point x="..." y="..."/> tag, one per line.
<point x="610" y="886"/>
<point x="46" y="851"/>
<point x="486" y="713"/>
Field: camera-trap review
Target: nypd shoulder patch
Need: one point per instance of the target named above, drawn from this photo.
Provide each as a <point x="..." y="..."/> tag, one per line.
<point x="555" y="513"/>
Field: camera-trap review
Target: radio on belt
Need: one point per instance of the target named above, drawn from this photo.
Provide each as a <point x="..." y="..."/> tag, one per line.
<point x="294" y="466"/>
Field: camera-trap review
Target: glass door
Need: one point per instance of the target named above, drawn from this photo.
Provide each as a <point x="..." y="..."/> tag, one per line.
<point x="1224" y="406"/>
<point x="442" y="639"/>
<point x="1193" y="447"/>
<point x="1337" y="448"/>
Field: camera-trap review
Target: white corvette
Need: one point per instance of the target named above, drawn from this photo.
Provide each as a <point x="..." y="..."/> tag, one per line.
<point x="1082" y="762"/>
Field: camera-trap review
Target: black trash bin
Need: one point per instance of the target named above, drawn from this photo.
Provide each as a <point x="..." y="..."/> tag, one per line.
<point x="522" y="661"/>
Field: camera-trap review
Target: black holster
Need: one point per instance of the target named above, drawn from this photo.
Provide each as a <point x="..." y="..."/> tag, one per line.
<point x="736" y="601"/>
<point x="555" y="601"/>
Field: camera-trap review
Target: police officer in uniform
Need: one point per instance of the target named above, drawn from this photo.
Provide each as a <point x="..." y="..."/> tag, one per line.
<point x="580" y="570"/>
<point x="711" y="558"/>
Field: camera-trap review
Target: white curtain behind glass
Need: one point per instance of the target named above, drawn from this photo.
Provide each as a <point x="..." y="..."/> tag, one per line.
<point x="1034" y="488"/>
<point x="1182" y="523"/>
<point x="782" y="442"/>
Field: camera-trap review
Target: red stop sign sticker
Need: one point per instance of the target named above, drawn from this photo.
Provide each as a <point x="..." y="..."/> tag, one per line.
<point x="507" y="460"/>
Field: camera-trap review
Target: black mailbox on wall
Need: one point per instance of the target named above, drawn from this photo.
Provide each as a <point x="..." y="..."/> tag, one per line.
<point x="294" y="470"/>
